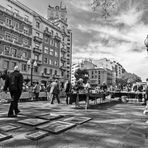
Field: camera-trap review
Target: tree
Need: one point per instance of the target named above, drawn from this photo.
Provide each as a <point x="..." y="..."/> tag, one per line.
<point x="81" y="73"/>
<point x="106" y="6"/>
<point x="128" y="78"/>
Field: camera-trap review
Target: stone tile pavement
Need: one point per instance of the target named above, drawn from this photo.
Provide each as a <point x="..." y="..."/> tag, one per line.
<point x="113" y="125"/>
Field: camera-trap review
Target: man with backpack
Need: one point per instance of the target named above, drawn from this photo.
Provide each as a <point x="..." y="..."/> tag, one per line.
<point x="15" y="84"/>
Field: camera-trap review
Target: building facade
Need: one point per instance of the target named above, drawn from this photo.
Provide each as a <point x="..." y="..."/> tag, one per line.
<point x="15" y="36"/>
<point x="26" y="35"/>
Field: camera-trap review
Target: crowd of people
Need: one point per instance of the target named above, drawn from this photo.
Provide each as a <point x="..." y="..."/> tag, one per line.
<point x="14" y="83"/>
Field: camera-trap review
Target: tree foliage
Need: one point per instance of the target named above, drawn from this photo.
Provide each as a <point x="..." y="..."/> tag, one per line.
<point x="81" y="73"/>
<point x="128" y="78"/>
<point x="106" y="6"/>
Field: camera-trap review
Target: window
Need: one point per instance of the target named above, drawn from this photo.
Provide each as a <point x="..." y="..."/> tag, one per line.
<point x="24" y="67"/>
<point x="26" y="17"/>
<point x="62" y="73"/>
<point x="24" y="55"/>
<point x="52" y="32"/>
<point x="45" y="60"/>
<point x="56" y="63"/>
<point x="25" y="41"/>
<point x="6" y="65"/>
<point x="50" y="71"/>
<point x="13" y="64"/>
<point x="50" y="61"/>
<point x="52" y="42"/>
<point x="26" y="30"/>
<point x="45" y="70"/>
<point x="7" y="50"/>
<point x="16" y="11"/>
<point x="56" y="44"/>
<point x="51" y="51"/>
<point x="14" y="51"/>
<point x="36" y="69"/>
<point x="46" y="39"/>
<point x="16" y="25"/>
<point x="8" y="21"/>
<point x="37" y="25"/>
<point x="8" y="36"/>
<point x="46" y="50"/>
<point x="56" y="54"/>
<point x="36" y="57"/>
<point x="37" y="45"/>
<point x="37" y="34"/>
<point x="55" y="72"/>
<point x="14" y="37"/>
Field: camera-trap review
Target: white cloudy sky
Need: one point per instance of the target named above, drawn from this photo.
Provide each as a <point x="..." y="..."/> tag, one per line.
<point x="121" y="38"/>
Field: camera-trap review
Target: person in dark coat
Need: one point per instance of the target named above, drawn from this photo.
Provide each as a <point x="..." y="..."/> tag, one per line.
<point x="68" y="88"/>
<point x="15" y="84"/>
<point x="103" y="87"/>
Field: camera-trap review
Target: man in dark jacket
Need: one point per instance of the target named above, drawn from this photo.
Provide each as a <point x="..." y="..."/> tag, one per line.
<point x="68" y="87"/>
<point x="15" y="84"/>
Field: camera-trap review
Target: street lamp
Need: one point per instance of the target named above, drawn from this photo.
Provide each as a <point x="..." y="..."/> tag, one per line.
<point x="31" y="63"/>
<point x="146" y="43"/>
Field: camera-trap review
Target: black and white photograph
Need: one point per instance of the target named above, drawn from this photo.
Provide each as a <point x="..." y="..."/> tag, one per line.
<point x="77" y="120"/>
<point x="8" y="127"/>
<point x="78" y="68"/>
<point x="32" y="121"/>
<point x="56" y="126"/>
<point x="36" y="135"/>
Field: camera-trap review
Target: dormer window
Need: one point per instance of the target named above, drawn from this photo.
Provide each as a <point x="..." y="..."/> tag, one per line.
<point x="37" y="25"/>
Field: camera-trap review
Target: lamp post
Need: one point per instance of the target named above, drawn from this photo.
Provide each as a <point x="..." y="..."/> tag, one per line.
<point x="146" y="43"/>
<point x="31" y="63"/>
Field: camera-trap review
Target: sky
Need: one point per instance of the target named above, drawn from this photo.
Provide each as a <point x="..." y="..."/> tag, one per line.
<point x="120" y="37"/>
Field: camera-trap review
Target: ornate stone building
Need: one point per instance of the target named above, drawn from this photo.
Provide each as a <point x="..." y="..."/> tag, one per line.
<point x="26" y="35"/>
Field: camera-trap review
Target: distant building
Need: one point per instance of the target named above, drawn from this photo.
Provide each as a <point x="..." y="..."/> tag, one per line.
<point x="116" y="68"/>
<point x="96" y="75"/>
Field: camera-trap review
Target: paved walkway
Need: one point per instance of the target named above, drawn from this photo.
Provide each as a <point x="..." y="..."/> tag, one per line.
<point x="113" y="125"/>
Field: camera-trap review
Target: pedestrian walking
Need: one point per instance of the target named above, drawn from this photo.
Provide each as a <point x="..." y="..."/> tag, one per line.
<point x="55" y="91"/>
<point x="49" y="95"/>
<point x="103" y="87"/>
<point x="14" y="82"/>
<point x="68" y="88"/>
<point x="36" y="91"/>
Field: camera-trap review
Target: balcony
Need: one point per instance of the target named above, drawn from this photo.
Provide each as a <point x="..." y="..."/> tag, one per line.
<point x="47" y="32"/>
<point x="9" y="12"/>
<point x="38" y="39"/>
<point x="9" y="40"/>
<point x="63" y="68"/>
<point x="27" y="46"/>
<point x="39" y="62"/>
<point x="27" y="21"/>
<point x="37" y="50"/>
<point x="57" y="38"/>
<point x="56" y="76"/>
<point x="17" y="43"/>
<point x="47" y="75"/>
<point x="63" y="49"/>
<point x="63" y="59"/>
<point x="16" y="15"/>
<point x="13" y="56"/>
